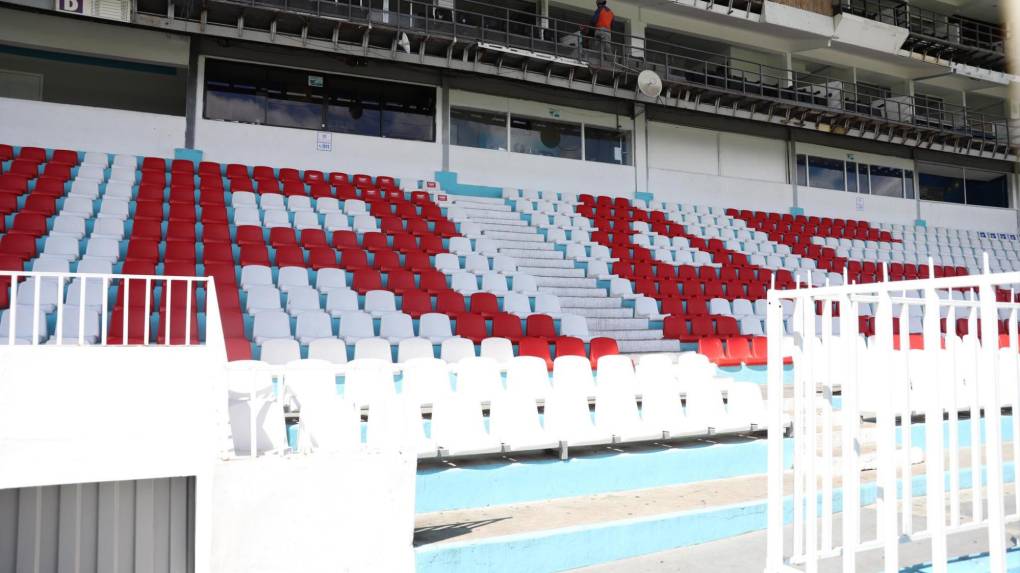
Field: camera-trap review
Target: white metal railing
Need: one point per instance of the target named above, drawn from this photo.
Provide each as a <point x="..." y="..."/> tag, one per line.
<point x="885" y="390"/>
<point x="48" y="293"/>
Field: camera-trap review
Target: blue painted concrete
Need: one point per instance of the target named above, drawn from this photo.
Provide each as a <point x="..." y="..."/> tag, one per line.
<point x="754" y="374"/>
<point x="193" y="155"/>
<point x="971" y="564"/>
<point x="645" y="196"/>
<point x="796" y="211"/>
<point x="448" y="182"/>
<point x="442" y="489"/>
<point x="920" y="222"/>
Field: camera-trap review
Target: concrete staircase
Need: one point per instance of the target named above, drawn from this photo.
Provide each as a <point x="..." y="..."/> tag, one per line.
<point x="554" y="274"/>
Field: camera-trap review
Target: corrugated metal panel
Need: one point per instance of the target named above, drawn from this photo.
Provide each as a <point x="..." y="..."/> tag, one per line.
<point x="141" y="526"/>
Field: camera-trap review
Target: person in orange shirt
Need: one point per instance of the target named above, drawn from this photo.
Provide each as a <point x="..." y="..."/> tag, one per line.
<point x="601" y="26"/>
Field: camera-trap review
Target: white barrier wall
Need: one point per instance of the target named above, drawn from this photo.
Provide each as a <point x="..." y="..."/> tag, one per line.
<point x="64" y="126"/>
<point x="321" y="512"/>
<point x="951" y="215"/>
<point x="519" y="170"/>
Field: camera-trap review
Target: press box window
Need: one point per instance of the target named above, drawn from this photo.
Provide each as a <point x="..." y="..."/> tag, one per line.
<point x="548" y="138"/>
<point x="606" y="146"/>
<point x="826" y="173"/>
<point x="484" y="130"/>
<point x="886" y="181"/>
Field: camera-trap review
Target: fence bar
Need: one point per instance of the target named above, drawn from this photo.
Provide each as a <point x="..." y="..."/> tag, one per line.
<point x="993" y="427"/>
<point x="777" y="467"/>
<point x="935" y="486"/>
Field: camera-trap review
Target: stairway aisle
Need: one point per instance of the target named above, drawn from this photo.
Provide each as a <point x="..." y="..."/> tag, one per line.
<point x="554" y="274"/>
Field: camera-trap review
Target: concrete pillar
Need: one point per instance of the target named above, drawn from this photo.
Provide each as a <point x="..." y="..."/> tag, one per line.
<point x="791" y="162"/>
<point x="637" y="37"/>
<point x="1011" y="14"/>
<point x="640" y="145"/>
<point x="444" y="122"/>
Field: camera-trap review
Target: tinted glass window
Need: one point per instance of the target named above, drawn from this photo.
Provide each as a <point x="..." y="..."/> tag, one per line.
<point x="470" y="128"/>
<point x="851" y="176"/>
<point x="826" y="173"/>
<point x="886" y="181"/>
<point x="908" y="184"/>
<point x="987" y="188"/>
<point x="354" y="107"/>
<point x="802" y="170"/>
<point x="941" y="183"/>
<point x="549" y="138"/>
<point x="309" y="100"/>
<point x="863" y="180"/>
<point x="606" y="145"/>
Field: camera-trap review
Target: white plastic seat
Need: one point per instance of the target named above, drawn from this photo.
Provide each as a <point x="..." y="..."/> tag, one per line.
<point x="447" y="262"/>
<point x="574" y="325"/>
<point x="548" y="304"/>
<point x="306" y="220"/>
<point x="460" y="246"/>
<point x="63" y="247"/>
<point x="261" y="298"/>
<point x="705" y="409"/>
<point x="379" y="303"/>
<point x="275" y="218"/>
<point x="616" y="370"/>
<point x="112" y="229"/>
<point x="290" y="278"/>
<point x="328" y="423"/>
<point x="414" y="348"/>
<point x="336" y="222"/>
<point x="476" y="264"/>
<point x="517" y="303"/>
<point x="616" y="413"/>
<point x="329" y="279"/>
<point x="396" y="326"/>
<point x="247" y="216"/>
<point x="340" y="301"/>
<point x="751" y="326"/>
<point x="425" y="379"/>
<point x="464" y="283"/>
<point x="78" y="205"/>
<point x="374" y="348"/>
<point x="256" y="275"/>
<point x="369" y="382"/>
<point x="435" y="327"/>
<point x="458" y="427"/>
<point x="455" y="349"/>
<point x="478" y="378"/>
<point x="354" y="207"/>
<point x="326" y="205"/>
<point x="301" y="300"/>
<point x="567" y="419"/>
<point x="514" y="421"/>
<point x="573" y="373"/>
<point x="719" y="306"/>
<point x="365" y="224"/>
<point x="647" y="307"/>
<point x="499" y="349"/>
<point x="745" y="405"/>
<point x="525" y="284"/>
<point x="332" y="350"/>
<point x="269" y="325"/>
<point x="103" y="249"/>
<point x="495" y="283"/>
<point x="251" y="407"/>
<point x="114" y="208"/>
<point x="279" y="351"/>
<point x="662" y="409"/>
<point x="297" y="203"/>
<point x="243" y="199"/>
<point x="313" y="325"/>
<point x="23" y="325"/>
<point x="527" y="375"/>
<point x="355" y="326"/>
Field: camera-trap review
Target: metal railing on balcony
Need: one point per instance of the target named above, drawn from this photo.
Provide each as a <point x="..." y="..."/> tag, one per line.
<point x="519" y="37"/>
<point x="932" y="29"/>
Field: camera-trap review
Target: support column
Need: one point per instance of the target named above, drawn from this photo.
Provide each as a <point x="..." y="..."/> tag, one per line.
<point x="791" y="168"/>
<point x="640" y="148"/>
<point x="191" y="94"/>
<point x="444" y="128"/>
<point x="917" y="193"/>
<point x="788" y="63"/>
<point x="637" y="37"/>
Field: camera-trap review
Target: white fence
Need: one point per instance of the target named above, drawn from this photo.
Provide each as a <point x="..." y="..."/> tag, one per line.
<point x="106" y="309"/>
<point x="851" y="461"/>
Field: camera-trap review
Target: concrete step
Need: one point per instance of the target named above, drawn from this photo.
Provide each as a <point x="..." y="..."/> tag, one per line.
<point x="512" y="236"/>
<point x="485" y="221"/>
<point x="571" y="282"/>
<point x="643" y="334"/>
<point x="630" y="323"/>
<point x="575" y="292"/>
<point x="566" y="273"/>
<point x="534" y="246"/>
<point x="582" y="301"/>
<point x="640" y="346"/>
<point x="547" y="264"/>
<point x="530" y="254"/>
<point x="598" y="313"/>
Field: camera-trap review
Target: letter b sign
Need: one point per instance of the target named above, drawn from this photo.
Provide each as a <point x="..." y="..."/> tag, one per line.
<point x="75" y="6"/>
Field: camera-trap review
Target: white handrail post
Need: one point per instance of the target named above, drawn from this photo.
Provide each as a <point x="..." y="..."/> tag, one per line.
<point x="776" y="463"/>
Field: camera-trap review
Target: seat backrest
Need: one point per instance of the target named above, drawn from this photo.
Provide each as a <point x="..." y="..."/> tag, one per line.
<point x="573" y="373"/>
<point x="372" y="348"/>
<point x="411" y="349"/>
<point x="513" y="415"/>
<point x="616" y="408"/>
<point x="566" y="413"/>
<point x="332" y="350"/>
<point x="279" y="351"/>
<point x="499" y="349"/>
<point x="455" y="418"/>
<point x="616" y="370"/>
<point x="356" y="324"/>
<point x="527" y="375"/>
<point x="456" y="348"/>
<point x="425" y="380"/>
<point x="479" y="378"/>
<point x="369" y="381"/>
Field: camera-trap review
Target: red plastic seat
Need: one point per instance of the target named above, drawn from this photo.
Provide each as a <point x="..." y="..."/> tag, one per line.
<point x="313" y="238"/>
<point x="250" y="235"/>
<point x="289" y="174"/>
<point x="253" y="255"/>
<point x="345" y="239"/>
<point x="712" y="348"/>
<point x="541" y="326"/>
<point x="282" y="236"/>
<point x="365" y="280"/>
<point x="505" y="325"/>
<point x="180" y="252"/>
<point x="290" y="256"/>
<point x="434" y="282"/>
<point x="450" y="303"/>
<point x="417" y="261"/>
<point x="537" y="347"/>
<point x="400" y="281"/>
<point x="322" y="258"/>
<point x="142" y="250"/>
<point x="136" y="323"/>
<point x="601" y="346"/>
<point x="212" y="233"/>
<point x="21" y="246"/>
<point x="354" y="259"/>
<point x="42" y="204"/>
<point x="471" y="326"/>
<point x="738" y="351"/>
<point x="386" y="261"/>
<point x="569" y="346"/>
<point x="415" y="303"/>
<point x="485" y="304"/>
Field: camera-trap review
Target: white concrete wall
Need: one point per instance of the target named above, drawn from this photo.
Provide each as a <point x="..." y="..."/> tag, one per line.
<point x="969" y="217"/>
<point x="314" y="513"/>
<point x="523" y="171"/>
<point x="83" y="128"/>
<point x="871" y="208"/>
